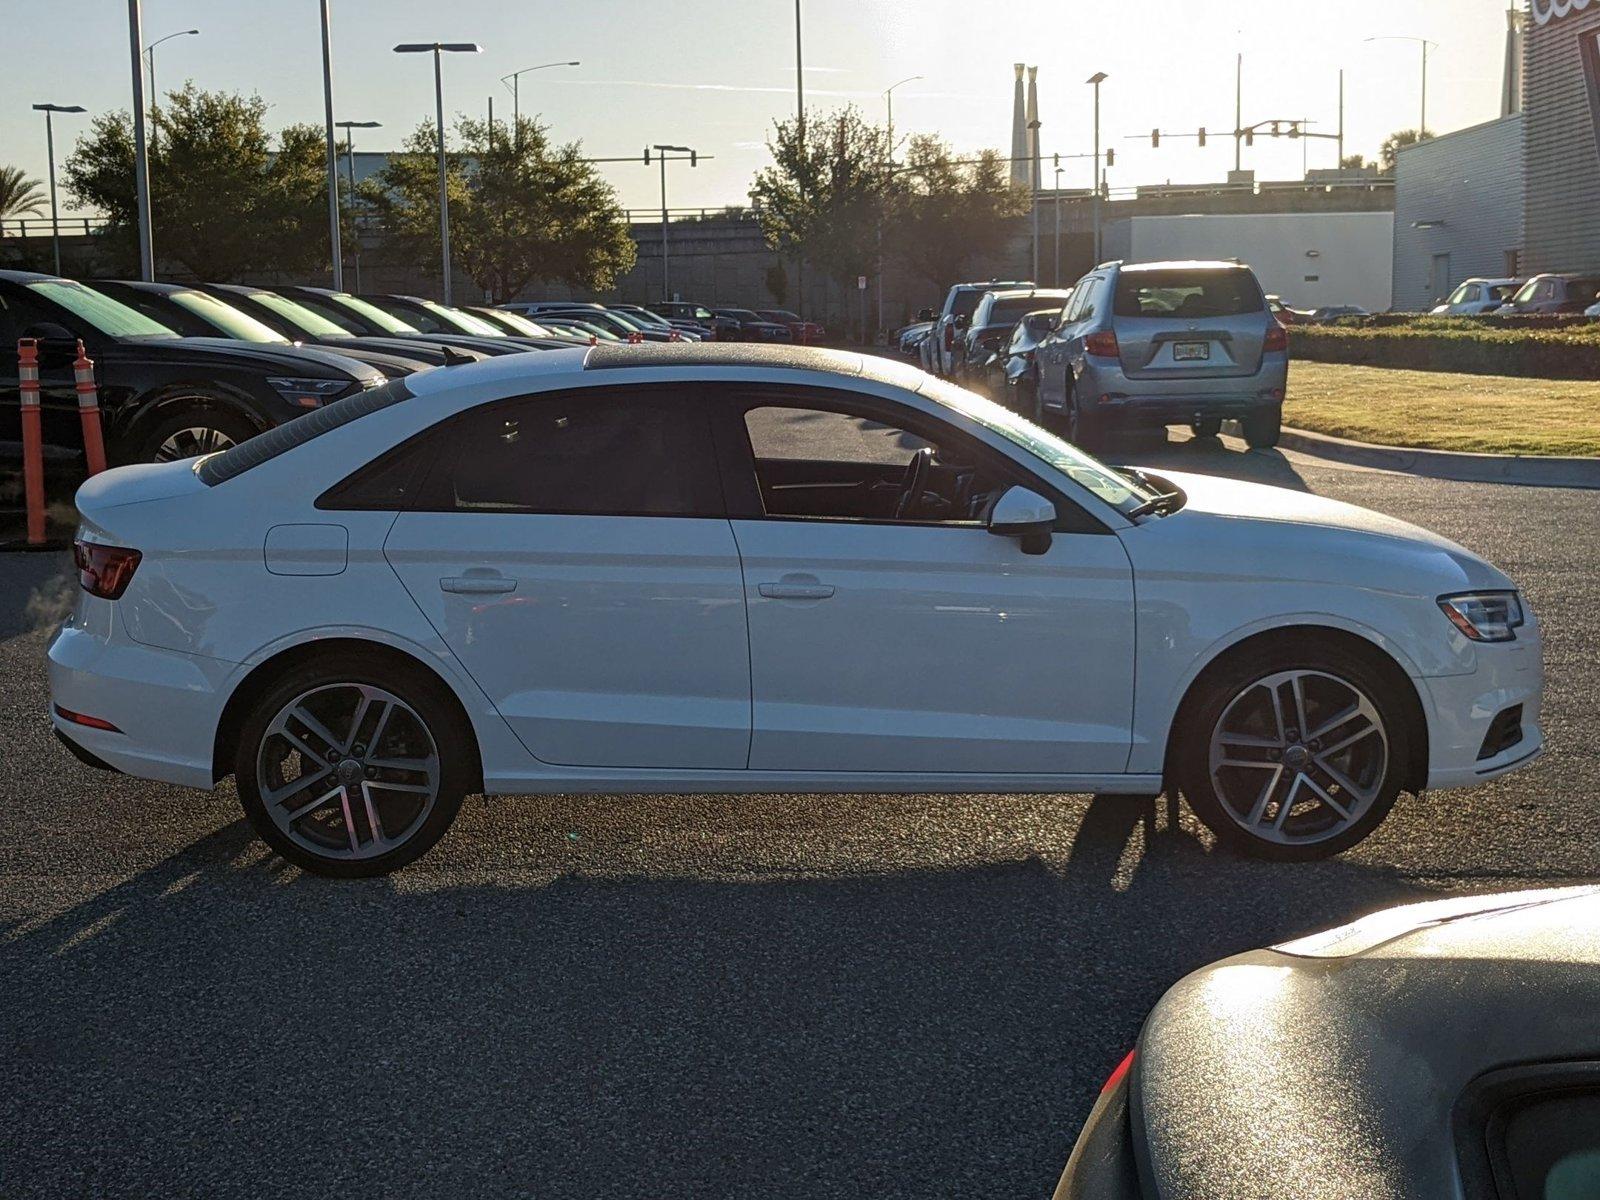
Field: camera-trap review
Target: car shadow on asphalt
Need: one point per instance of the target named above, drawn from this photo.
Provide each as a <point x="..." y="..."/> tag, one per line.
<point x="1177" y="450"/>
<point x="714" y="1025"/>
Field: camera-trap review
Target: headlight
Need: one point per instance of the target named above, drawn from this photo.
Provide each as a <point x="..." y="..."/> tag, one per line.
<point x="1484" y="616"/>
<point x="307" y="393"/>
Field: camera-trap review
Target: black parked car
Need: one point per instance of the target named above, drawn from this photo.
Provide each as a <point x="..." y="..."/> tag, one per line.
<point x="990" y="326"/>
<point x="161" y="396"/>
<point x="299" y="323"/>
<point x="616" y="323"/>
<point x="1448" y="1049"/>
<point x="360" y="316"/>
<point x="195" y="313"/>
<point x="518" y="325"/>
<point x="752" y="328"/>
<point x="434" y="318"/>
<point x="723" y="329"/>
<point x="1013" y="371"/>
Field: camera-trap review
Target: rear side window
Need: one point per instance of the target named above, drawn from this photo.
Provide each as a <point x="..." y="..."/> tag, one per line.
<point x="1552" y="1148"/>
<point x="1187" y="294"/>
<point x="591" y="452"/>
<point x="219" y="468"/>
<point x="965" y="303"/>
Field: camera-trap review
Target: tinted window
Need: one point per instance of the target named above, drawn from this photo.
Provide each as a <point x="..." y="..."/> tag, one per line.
<point x="599" y="453"/>
<point x="219" y="468"/>
<point x="1582" y="291"/>
<point x="110" y="317"/>
<point x="1186" y="294"/>
<point x="225" y="317"/>
<point x="1552" y="1146"/>
<point x="1009" y="312"/>
<point x="303" y="318"/>
<point x="965" y="303"/>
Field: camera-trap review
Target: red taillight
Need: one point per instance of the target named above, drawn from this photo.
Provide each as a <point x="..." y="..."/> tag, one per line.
<point x="1118" y="1073"/>
<point x="1102" y="343"/>
<point x="1277" y="338"/>
<point x="104" y="571"/>
<point x="949" y="337"/>
<point x="78" y="718"/>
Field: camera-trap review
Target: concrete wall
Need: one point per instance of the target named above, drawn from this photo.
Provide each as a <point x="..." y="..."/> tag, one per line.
<point x="1309" y="259"/>
<point x="1563" y="128"/>
<point x="1458" y="211"/>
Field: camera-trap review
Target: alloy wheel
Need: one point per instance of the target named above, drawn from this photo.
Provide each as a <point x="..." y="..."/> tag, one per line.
<point x="192" y="442"/>
<point x="348" y="771"/>
<point x="1298" y="757"/>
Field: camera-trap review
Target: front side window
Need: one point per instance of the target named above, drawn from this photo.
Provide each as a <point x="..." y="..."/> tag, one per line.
<point x="591" y="452"/>
<point x="1187" y="293"/>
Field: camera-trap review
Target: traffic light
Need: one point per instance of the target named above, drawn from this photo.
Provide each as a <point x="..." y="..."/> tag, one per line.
<point x="1275" y="130"/>
<point x="693" y="155"/>
<point x="1111" y="156"/>
<point x="647" y="156"/>
<point x="1294" y="129"/>
<point x="1155" y="139"/>
<point x="1249" y="137"/>
<point x="1202" y="135"/>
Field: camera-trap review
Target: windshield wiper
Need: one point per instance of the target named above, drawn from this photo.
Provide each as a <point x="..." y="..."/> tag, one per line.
<point x="1159" y="503"/>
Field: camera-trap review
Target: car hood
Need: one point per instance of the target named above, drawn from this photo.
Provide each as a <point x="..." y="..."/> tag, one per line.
<point x="1297" y="517"/>
<point x="307" y="361"/>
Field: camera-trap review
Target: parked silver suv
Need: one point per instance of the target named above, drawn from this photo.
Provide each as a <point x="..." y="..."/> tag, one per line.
<point x="1165" y="343"/>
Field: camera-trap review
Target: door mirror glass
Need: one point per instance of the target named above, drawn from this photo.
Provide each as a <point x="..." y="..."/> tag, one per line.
<point x="1040" y="323"/>
<point x="1023" y="514"/>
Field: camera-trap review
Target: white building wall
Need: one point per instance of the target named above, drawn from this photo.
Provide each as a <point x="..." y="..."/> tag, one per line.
<point x="1310" y="259"/>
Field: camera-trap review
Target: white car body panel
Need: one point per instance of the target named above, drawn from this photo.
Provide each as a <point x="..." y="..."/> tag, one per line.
<point x="944" y="660"/>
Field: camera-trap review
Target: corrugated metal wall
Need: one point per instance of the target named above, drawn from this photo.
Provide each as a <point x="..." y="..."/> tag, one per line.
<point x="1563" y="188"/>
<point x="1466" y="189"/>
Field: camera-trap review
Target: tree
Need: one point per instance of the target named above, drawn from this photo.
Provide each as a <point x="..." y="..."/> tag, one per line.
<point x="222" y="202"/>
<point x="19" y="195"/>
<point x="1389" y="152"/>
<point x="777" y="281"/>
<point x="1353" y="162"/>
<point x="521" y="208"/>
<point x="947" y="212"/>
<point x="822" y="199"/>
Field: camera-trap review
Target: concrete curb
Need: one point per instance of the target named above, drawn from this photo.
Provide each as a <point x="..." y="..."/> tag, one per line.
<point x="1524" y="470"/>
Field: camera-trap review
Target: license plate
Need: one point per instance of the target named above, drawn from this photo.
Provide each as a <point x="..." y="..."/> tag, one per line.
<point x="1190" y="351"/>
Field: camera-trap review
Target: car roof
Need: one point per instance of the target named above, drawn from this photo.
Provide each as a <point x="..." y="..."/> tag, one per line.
<point x="1379" y="1028"/>
<point x="27" y="277"/>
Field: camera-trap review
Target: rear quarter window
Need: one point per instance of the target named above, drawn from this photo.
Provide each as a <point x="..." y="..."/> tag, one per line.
<point x="1187" y="294"/>
<point x="247" y="455"/>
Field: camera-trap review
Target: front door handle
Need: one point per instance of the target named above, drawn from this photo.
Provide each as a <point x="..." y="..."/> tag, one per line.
<point x="477" y="585"/>
<point x="795" y="589"/>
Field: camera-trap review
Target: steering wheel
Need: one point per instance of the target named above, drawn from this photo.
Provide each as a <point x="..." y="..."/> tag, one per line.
<point x="913" y="483"/>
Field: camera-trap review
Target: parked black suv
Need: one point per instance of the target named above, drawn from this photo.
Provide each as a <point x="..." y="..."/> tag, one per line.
<point x="434" y="318"/>
<point x="161" y="396"/>
<point x="361" y="316"/>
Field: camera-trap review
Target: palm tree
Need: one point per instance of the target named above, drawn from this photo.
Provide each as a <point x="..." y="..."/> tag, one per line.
<point x="19" y="195"/>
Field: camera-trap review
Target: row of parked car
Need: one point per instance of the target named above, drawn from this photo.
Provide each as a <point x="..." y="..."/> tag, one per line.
<point x="187" y="369"/>
<point x="1129" y="345"/>
<point x="1551" y="294"/>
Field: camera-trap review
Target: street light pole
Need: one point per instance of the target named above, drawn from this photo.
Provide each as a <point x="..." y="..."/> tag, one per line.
<point x="350" y="163"/>
<point x="516" y="92"/>
<point x="1056" y="274"/>
<point x="661" y="154"/>
<point x="150" y="56"/>
<point x="800" y="130"/>
<point x="888" y="101"/>
<point x="1097" y="79"/>
<point x="50" y="149"/>
<point x="1033" y="187"/>
<point x="1426" y="46"/>
<point x="141" y="161"/>
<point x="335" y="250"/>
<point x="438" y="50"/>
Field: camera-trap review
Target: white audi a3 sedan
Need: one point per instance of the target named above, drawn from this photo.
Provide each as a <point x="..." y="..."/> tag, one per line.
<point x="705" y="568"/>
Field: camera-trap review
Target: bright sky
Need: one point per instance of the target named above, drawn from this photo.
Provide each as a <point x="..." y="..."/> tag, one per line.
<point x="713" y="74"/>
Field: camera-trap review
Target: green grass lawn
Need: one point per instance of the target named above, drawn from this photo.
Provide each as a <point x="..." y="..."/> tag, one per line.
<point x="1492" y="414"/>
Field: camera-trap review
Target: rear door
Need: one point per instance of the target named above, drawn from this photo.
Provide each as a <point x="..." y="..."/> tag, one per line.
<point x="1178" y="323"/>
<point x="573" y="551"/>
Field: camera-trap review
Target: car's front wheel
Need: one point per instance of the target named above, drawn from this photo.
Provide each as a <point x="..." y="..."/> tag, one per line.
<point x="350" y="768"/>
<point x="1293" y="753"/>
<point x="190" y="428"/>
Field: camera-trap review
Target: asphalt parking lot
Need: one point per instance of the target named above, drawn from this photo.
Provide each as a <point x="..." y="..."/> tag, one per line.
<point x="894" y="996"/>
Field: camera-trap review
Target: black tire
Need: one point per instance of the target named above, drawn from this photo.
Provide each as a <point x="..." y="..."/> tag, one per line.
<point x="1262" y="428"/>
<point x="1206" y="427"/>
<point x="429" y="699"/>
<point x="226" y="427"/>
<point x="1083" y="430"/>
<point x="1189" y="756"/>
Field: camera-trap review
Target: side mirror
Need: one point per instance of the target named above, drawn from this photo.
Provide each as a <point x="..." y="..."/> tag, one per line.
<point x="1040" y="324"/>
<point x="1025" y="515"/>
<point x="927" y="314"/>
<point x="961" y="322"/>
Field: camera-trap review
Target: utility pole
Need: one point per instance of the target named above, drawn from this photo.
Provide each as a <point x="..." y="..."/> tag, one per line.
<point x="438" y="50"/>
<point x="1033" y="187"/>
<point x="1238" y="112"/>
<point x="1341" y="118"/>
<point x="800" y="128"/>
<point x="334" y="249"/>
<point x="1426" y="45"/>
<point x="1097" y="79"/>
<point x="888" y="173"/>
<point x="50" y="150"/>
<point x="662" y="153"/>
<point x="350" y="161"/>
<point x="1055" y="277"/>
<point x="141" y="160"/>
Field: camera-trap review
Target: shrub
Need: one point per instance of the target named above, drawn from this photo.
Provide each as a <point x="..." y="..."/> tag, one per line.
<point x="1564" y="351"/>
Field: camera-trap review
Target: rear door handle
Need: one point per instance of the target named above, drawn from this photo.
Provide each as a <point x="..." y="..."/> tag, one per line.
<point x="795" y="590"/>
<point x="477" y="585"/>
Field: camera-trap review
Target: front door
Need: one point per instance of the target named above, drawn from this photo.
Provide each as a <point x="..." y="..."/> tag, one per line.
<point x="890" y="631"/>
<point x="573" y="552"/>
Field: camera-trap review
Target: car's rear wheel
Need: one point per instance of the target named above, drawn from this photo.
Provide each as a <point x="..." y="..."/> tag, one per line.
<point x="191" y="428"/>
<point x="1082" y="429"/>
<point x="350" y="769"/>
<point x="1262" y="428"/>
<point x="1293" y="753"/>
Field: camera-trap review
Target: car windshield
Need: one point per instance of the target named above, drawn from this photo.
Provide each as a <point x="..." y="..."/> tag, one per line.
<point x="1526" y="291"/>
<point x="227" y="318"/>
<point x="111" y="317"/>
<point x="1462" y="294"/>
<point x="1187" y="292"/>
<point x="966" y="303"/>
<point x="387" y="322"/>
<point x="1012" y="310"/>
<point x="298" y="315"/>
<point x="518" y="322"/>
<point x="1115" y="489"/>
<point x="462" y="322"/>
<point x="740" y="314"/>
